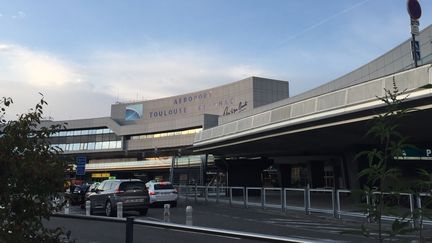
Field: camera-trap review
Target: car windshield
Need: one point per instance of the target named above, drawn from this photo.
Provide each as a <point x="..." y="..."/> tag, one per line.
<point x="163" y="186"/>
<point x="132" y="185"/>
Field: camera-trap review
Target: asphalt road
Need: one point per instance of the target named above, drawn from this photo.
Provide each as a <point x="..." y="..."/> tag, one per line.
<point x="321" y="228"/>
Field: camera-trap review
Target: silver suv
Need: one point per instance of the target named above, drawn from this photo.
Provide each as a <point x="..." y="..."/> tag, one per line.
<point x="162" y="192"/>
<point x="131" y="192"/>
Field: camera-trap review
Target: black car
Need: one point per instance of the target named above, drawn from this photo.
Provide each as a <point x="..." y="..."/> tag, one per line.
<point x="131" y="192"/>
<point x="76" y="193"/>
<point x="90" y="189"/>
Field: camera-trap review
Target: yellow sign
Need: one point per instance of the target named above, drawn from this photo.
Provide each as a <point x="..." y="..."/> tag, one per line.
<point x="100" y="175"/>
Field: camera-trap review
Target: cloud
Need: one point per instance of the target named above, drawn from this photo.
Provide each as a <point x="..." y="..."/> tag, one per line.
<point x="25" y="72"/>
<point x="151" y="73"/>
<point x="19" y="15"/>
<point x="35" y="68"/>
<point x="87" y="90"/>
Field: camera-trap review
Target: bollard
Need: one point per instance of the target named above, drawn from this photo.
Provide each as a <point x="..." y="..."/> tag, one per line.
<point x="129" y="229"/>
<point x="66" y="209"/>
<point x="119" y="210"/>
<point x="87" y="206"/>
<point x="189" y="215"/>
<point x="166" y="214"/>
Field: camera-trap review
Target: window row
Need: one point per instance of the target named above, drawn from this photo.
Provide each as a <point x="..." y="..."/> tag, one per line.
<point x="90" y="146"/>
<point x="166" y="134"/>
<point x="82" y="132"/>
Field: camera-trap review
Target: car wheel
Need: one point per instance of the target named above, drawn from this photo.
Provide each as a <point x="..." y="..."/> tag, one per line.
<point x="143" y="212"/>
<point x="174" y="204"/>
<point x="108" y="209"/>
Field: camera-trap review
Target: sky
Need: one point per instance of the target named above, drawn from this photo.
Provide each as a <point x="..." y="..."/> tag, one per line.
<point x="85" y="55"/>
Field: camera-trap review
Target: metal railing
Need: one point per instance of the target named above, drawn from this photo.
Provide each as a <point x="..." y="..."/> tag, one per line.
<point x="309" y="200"/>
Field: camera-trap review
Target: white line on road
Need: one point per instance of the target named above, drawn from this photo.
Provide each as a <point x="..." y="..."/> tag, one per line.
<point x="200" y="233"/>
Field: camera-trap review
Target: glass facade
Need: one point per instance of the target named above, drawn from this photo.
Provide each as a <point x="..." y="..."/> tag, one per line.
<point x="90" y="146"/>
<point x="82" y="132"/>
<point x="86" y="140"/>
<point x="166" y="134"/>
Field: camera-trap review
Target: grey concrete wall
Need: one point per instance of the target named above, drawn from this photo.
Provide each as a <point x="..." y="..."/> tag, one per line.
<point x="210" y="121"/>
<point x="164" y="142"/>
<point x="267" y="91"/>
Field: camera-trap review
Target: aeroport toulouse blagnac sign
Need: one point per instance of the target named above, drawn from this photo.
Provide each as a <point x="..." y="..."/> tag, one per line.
<point x="184" y="104"/>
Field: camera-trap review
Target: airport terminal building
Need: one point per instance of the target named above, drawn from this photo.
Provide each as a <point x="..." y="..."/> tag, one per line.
<point x="252" y="133"/>
<point x="153" y="138"/>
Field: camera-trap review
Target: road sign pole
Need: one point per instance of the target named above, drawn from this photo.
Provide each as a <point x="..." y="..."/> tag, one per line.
<point x="414" y="11"/>
<point x="414" y="51"/>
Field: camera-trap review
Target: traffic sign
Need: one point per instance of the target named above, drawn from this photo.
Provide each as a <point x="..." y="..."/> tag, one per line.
<point x="415" y="27"/>
<point x="81" y="161"/>
<point x="414" y="9"/>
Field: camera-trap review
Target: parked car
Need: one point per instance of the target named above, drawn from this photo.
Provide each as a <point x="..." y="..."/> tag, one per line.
<point x="131" y="192"/>
<point x="75" y="194"/>
<point x="162" y="192"/>
<point x="90" y="189"/>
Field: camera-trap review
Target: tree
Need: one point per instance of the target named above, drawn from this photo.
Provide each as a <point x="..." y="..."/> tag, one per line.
<point x="382" y="174"/>
<point x="31" y="174"/>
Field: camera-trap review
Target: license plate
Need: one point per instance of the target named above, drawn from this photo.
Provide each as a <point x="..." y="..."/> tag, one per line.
<point x="134" y="200"/>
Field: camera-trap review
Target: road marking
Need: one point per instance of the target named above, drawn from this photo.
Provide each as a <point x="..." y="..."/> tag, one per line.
<point x="155" y="219"/>
<point x="201" y="233"/>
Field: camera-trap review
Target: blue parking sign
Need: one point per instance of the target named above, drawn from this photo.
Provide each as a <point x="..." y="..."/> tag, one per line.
<point x="80" y="165"/>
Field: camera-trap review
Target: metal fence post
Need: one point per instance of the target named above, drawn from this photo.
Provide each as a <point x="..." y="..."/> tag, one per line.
<point x="206" y="194"/>
<point x="367" y="203"/>
<point x="419" y="206"/>
<point x="411" y="199"/>
<point x="307" y="199"/>
<point x="129" y="229"/>
<point x="263" y="198"/>
<point x="283" y="199"/>
<point x="196" y="193"/>
<point x="335" y="213"/>
<point x="245" y="197"/>
<point x="338" y="202"/>
<point x="217" y="192"/>
<point x="230" y="196"/>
